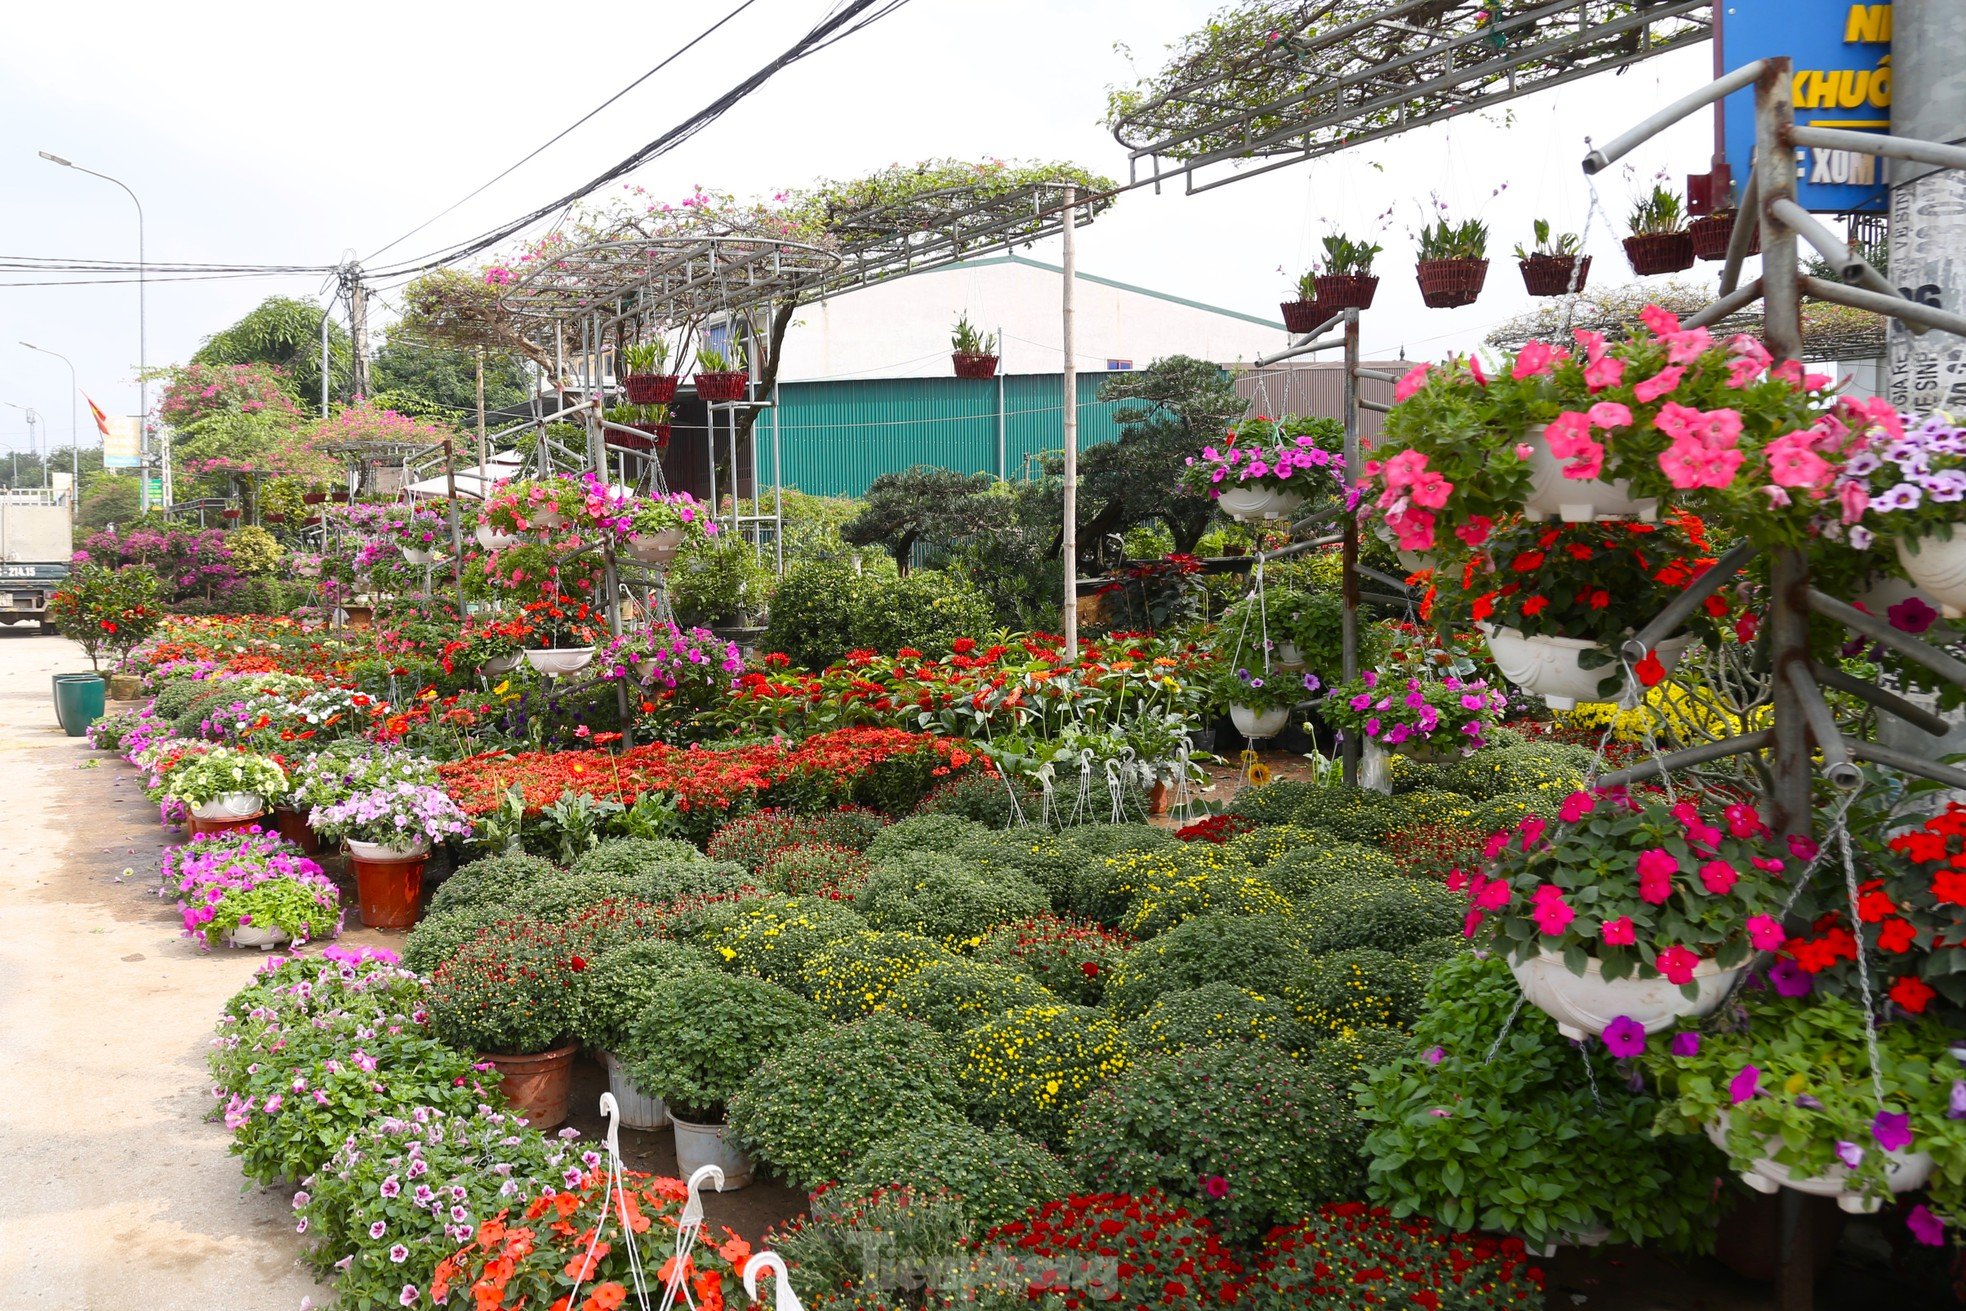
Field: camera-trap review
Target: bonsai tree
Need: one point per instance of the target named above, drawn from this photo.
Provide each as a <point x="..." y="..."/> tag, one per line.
<point x="107" y="611"/>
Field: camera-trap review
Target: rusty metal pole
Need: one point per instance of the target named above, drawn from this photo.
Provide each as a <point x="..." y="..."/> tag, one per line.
<point x="1354" y="465"/>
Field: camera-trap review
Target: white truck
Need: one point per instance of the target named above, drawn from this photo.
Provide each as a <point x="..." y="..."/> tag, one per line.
<point x="36" y="542"/>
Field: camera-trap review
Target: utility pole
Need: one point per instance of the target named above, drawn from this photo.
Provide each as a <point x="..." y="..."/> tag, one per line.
<point x="1071" y="526"/>
<point x="484" y="457"/>
<point x="358" y="326"/>
<point x="1928" y="203"/>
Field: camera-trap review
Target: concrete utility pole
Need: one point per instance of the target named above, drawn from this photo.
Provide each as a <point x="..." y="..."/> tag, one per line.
<point x="484" y="459"/>
<point x="1070" y="548"/>
<point x="1928" y="204"/>
<point x="358" y="328"/>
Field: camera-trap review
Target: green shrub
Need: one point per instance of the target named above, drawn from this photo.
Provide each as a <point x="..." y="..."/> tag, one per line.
<point x="953" y="995"/>
<point x="1350" y="814"/>
<point x="1072" y="958"/>
<point x="1184" y="1124"/>
<point x="1308" y="869"/>
<point x="812" y="612"/>
<point x="436" y="938"/>
<point x="1211" y="1015"/>
<point x="1391" y="916"/>
<point x="1343" y="1059"/>
<point x="938" y="834"/>
<point x="1511" y="808"/>
<point x="775" y="937"/>
<point x="617" y="985"/>
<point x="564" y="895"/>
<point x="1033" y="1068"/>
<point x="1116" y="857"/>
<point x="1100" y="840"/>
<point x="942" y="898"/>
<point x="175" y="695"/>
<point x="983" y="799"/>
<point x="928" y="609"/>
<point x="858" y="1249"/>
<point x="678" y="879"/>
<point x="751" y="839"/>
<point x="856" y="976"/>
<point x="492" y="881"/>
<point x="629" y="856"/>
<point x="1272" y="803"/>
<point x="1432" y="806"/>
<point x="1363" y="988"/>
<point x="1038" y="855"/>
<point x="1531" y="767"/>
<point x="1203" y="879"/>
<point x="1260" y="847"/>
<point x="703" y="1034"/>
<point x="814" y="1108"/>
<point x="1257" y="952"/>
<point x="820" y="869"/>
<point x="996" y="1173"/>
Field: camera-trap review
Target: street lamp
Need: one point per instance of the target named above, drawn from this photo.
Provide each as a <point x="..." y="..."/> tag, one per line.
<point x="143" y="348"/>
<point x="33" y="417"/>
<point x="74" y="443"/>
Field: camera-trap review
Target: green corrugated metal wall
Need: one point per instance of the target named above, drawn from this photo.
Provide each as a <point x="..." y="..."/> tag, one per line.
<point x="840" y="436"/>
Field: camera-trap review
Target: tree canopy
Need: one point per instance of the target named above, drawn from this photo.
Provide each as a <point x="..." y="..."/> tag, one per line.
<point x="285" y="333"/>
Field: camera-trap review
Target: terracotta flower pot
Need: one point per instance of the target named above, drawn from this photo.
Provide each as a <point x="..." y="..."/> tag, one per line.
<point x="389" y="893"/>
<point x="1550" y="275"/>
<point x="1303" y="316"/>
<point x="650" y="388"/>
<point x="1157" y="798"/>
<point x="538" y="1085"/>
<point x="631" y="441"/>
<point x="722" y="386"/>
<point x="295" y="829"/>
<point x="1448" y="283"/>
<point x="204" y="827"/>
<point x="1347" y="291"/>
<point x="1660" y="252"/>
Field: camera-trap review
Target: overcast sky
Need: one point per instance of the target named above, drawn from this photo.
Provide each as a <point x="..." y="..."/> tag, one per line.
<point x="299" y="134"/>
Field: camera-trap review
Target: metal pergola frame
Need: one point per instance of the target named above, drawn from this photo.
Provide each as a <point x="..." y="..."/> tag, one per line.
<point x="1402" y="67"/>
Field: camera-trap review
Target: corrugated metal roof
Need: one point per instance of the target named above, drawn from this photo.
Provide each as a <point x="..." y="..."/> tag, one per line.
<point x="840" y="436"/>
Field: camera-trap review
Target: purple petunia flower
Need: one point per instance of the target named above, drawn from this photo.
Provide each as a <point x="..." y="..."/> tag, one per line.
<point x="1624" y="1037"/>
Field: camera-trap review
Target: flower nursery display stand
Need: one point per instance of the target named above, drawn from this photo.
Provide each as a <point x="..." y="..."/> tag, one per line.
<point x="1802" y="723"/>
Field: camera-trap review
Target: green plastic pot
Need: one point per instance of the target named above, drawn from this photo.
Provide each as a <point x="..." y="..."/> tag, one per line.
<point x="78" y="701"/>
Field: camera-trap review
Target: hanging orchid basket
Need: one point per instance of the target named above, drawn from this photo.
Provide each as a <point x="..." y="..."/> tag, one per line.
<point x="650" y="388"/>
<point x="1660" y="252"/>
<point x="974" y="366"/>
<point x="1712" y="234"/>
<point x="1346" y="291"/>
<point x="723" y="386"/>
<point x="1555" y="275"/>
<point x="1303" y="316"/>
<point x="1446" y="284"/>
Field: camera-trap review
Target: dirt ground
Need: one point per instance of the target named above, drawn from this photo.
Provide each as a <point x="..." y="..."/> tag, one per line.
<point x="115" y="1192"/>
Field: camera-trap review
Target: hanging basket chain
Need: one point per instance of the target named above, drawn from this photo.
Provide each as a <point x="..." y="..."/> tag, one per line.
<point x="1842" y="838"/>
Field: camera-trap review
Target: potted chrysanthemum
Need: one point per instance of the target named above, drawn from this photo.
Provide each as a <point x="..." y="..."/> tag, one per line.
<point x="1631" y="912"/>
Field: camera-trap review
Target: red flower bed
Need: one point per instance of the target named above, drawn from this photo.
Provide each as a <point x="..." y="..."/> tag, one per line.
<point x="826" y="768"/>
<point x="1354" y="1256"/>
<point x="1114" y="1249"/>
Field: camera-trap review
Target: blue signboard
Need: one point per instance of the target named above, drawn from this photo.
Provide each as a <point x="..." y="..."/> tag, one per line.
<point x="1842" y="66"/>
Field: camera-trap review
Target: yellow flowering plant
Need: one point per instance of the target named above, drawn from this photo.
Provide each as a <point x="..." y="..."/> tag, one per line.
<point x="1031" y="1069"/>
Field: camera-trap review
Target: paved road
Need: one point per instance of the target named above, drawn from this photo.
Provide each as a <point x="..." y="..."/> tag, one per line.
<point x="114" y="1192"/>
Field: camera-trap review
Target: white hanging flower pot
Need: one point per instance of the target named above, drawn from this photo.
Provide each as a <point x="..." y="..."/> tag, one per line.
<point x="1288" y="654"/>
<point x="1552" y="667"/>
<point x="1583" y="1005"/>
<point x="493" y="540"/>
<point x="1882" y="591"/>
<point x="1906" y="1171"/>
<point x="1251" y="503"/>
<point x="1577" y="500"/>
<point x="231" y="805"/>
<point x="253" y="935"/>
<point x="497" y="665"/>
<point x="1938" y="565"/>
<point x="698" y="1145"/>
<point x="638" y="1109"/>
<point x="1253" y="723"/>
<point x="1411" y="561"/>
<point x="417" y="555"/>
<point x="387" y="851"/>
<point x="569" y="661"/>
<point x="656" y="548"/>
<point x="547" y="517"/>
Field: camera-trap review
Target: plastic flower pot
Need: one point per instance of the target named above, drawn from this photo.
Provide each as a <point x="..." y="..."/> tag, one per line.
<point x="1288" y="653"/>
<point x="974" y="366"/>
<point x="1938" y="566"/>
<point x="1906" y="1171"/>
<point x="638" y="1109"/>
<point x="630" y="441"/>
<point x="232" y="805"/>
<point x="1660" y="252"/>
<point x="1448" y="283"/>
<point x="726" y="385"/>
<point x="497" y="665"/>
<point x="656" y="548"/>
<point x="1552" y="667"/>
<point x="388" y="851"/>
<point x="1583" y="1005"/>
<point x="206" y="827"/>
<point x="1253" y="723"/>
<point x="1346" y="291"/>
<point x="294" y="828"/>
<point x="1303" y="316"/>
<point x="416" y="555"/>
<point x="557" y="662"/>
<point x="78" y="701"/>
<point x="650" y="388"/>
<point x="253" y="936"/>
<point x="536" y="1085"/>
<point x="1157" y="798"/>
<point x="389" y="893"/>
<point x="493" y="540"/>
<point x="698" y="1145"/>
<point x="1412" y="561"/>
<point x="1882" y="592"/>
<point x="1555" y="495"/>
<point x="1249" y="503"/>
<point x="547" y="517"/>
<point x="1550" y="275"/>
